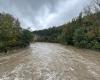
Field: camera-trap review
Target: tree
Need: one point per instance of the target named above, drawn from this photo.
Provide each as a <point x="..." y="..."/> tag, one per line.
<point x="11" y="34"/>
<point x="26" y="38"/>
<point x="79" y="38"/>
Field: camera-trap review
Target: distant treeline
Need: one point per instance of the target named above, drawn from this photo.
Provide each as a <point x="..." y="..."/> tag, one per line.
<point x="11" y="34"/>
<point x="82" y="32"/>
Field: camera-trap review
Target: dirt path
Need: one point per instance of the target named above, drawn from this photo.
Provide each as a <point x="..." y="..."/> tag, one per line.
<point x="48" y="61"/>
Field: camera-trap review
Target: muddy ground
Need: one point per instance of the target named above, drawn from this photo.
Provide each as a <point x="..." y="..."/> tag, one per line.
<point x="49" y="61"/>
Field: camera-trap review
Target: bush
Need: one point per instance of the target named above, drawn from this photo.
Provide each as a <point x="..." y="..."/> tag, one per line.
<point x="26" y="38"/>
<point x="95" y="44"/>
<point x="11" y="34"/>
<point x="79" y="38"/>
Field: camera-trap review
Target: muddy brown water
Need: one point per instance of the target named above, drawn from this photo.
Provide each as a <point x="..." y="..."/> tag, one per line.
<point x="49" y="61"/>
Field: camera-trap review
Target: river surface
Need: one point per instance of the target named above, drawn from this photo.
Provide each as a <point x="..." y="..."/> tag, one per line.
<point x="49" y="61"/>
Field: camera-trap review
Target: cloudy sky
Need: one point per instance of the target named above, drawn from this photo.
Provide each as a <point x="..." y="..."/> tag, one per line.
<point x="40" y="14"/>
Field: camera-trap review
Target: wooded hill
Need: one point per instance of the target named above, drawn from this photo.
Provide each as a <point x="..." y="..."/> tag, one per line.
<point x="82" y="32"/>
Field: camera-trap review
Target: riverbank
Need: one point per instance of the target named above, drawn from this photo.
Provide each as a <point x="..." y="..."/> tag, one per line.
<point x="12" y="51"/>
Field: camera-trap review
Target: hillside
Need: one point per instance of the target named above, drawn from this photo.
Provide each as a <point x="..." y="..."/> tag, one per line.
<point x="83" y="32"/>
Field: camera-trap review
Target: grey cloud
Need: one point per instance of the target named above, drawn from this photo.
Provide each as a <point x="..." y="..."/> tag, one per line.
<point x="40" y="14"/>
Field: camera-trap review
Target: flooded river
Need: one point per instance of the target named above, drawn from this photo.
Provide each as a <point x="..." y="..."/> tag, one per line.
<point x="49" y="61"/>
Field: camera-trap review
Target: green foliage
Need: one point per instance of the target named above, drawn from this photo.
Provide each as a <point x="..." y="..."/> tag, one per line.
<point x="80" y="39"/>
<point x="95" y="44"/>
<point x="11" y="34"/>
<point x="48" y="35"/>
<point x="26" y="38"/>
<point x="83" y="32"/>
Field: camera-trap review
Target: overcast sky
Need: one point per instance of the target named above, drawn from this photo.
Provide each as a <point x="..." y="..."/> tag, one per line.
<point x="40" y="14"/>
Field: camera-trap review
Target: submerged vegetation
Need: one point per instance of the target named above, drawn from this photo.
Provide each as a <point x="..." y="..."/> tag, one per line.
<point x="11" y="34"/>
<point x="82" y="32"/>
